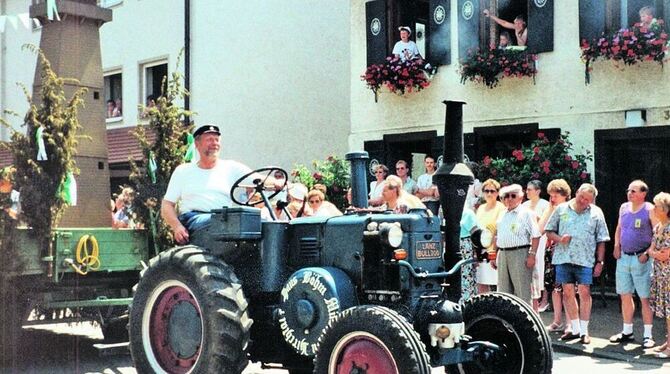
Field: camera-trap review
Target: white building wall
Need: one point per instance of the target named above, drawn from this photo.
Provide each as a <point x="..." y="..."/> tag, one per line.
<point x="273" y="74"/>
<point x="16" y="65"/>
<point x="558" y="98"/>
<point x="141" y="32"/>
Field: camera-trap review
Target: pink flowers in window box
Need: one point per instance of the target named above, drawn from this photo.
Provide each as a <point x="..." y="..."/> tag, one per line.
<point x="629" y="46"/>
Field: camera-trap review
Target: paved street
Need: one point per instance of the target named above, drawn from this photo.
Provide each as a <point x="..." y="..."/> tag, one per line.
<point x="70" y="349"/>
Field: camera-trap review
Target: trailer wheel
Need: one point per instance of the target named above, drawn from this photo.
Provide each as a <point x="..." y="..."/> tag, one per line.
<point x="371" y="339"/>
<point x="189" y="315"/>
<point x="510" y="323"/>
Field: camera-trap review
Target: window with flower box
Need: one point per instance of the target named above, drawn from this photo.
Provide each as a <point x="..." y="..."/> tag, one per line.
<point x="623" y="31"/>
<point x="428" y="19"/>
<point x="478" y="32"/>
<point x="607" y="17"/>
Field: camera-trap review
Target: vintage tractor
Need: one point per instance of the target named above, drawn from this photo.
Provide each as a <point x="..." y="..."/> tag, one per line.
<point x="362" y="293"/>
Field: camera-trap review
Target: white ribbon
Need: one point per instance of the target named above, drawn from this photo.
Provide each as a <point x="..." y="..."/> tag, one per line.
<point x="41" y="149"/>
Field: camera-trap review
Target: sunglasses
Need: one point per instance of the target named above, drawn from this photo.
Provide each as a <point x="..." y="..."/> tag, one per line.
<point x="509" y="196"/>
<point x="379" y="172"/>
<point x="490" y="191"/>
<point x="632" y="191"/>
<point x="314" y="201"/>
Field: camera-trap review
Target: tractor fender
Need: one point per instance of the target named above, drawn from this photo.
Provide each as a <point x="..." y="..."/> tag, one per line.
<point x="310" y="299"/>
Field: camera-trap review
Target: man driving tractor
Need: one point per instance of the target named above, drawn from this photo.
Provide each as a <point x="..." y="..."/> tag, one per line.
<point x="201" y="186"/>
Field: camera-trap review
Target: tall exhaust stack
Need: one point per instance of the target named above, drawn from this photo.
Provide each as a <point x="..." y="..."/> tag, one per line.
<point x="452" y="180"/>
<point x="359" y="185"/>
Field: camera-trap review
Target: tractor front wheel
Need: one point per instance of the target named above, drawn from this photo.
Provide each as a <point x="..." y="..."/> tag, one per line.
<point x="510" y="323"/>
<point x="370" y="339"/>
<point x="189" y="315"/>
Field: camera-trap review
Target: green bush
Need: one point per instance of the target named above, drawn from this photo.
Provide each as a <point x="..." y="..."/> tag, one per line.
<point x="332" y="173"/>
<point x="543" y="160"/>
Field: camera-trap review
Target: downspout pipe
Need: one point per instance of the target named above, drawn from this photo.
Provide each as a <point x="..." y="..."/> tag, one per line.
<point x="187" y="57"/>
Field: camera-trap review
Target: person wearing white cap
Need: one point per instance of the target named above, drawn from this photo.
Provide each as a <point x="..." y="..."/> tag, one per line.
<point x="406" y="49"/>
<point x="517" y="239"/>
<point x="200" y="186"/>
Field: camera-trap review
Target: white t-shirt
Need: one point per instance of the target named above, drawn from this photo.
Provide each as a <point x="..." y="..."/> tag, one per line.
<point x="423" y="182"/>
<point x="204" y="189"/>
<point x="376" y="190"/>
<point x="407" y="51"/>
<point x="541" y="206"/>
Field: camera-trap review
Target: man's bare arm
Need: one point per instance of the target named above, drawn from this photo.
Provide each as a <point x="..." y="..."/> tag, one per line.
<point x="169" y="214"/>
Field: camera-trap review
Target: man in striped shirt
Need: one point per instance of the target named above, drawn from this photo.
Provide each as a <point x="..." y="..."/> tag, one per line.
<point x="517" y="239"/>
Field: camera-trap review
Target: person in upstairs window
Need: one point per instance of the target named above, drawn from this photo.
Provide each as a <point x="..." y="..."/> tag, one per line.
<point x="111" y="107"/>
<point x="406" y="49"/>
<point x="505" y="40"/>
<point x="118" y="108"/>
<point x="647" y="19"/>
<point x="519" y="27"/>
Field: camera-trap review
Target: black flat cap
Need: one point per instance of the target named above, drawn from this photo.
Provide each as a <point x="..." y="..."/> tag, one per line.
<point x="205" y="129"/>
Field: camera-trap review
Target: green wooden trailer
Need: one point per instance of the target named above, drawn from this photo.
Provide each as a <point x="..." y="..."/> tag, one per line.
<point x="84" y="274"/>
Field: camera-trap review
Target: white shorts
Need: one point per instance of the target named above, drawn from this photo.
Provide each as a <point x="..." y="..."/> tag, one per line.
<point x="487" y="274"/>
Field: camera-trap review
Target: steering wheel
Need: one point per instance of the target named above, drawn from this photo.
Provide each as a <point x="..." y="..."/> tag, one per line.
<point x="256" y="185"/>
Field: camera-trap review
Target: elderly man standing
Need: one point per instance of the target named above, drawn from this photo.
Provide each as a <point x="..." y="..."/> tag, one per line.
<point x="516" y="240"/>
<point x="579" y="229"/>
<point x="632" y="241"/>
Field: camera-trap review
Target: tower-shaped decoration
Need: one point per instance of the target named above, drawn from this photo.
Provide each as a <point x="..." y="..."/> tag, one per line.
<point x="72" y="45"/>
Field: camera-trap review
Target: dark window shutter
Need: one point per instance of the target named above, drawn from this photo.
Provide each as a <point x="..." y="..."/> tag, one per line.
<point x="438" y="147"/>
<point x="375" y="150"/>
<point x="439" y="32"/>
<point x="375" y="16"/>
<point x="591" y="19"/>
<point x="666" y="14"/>
<point x="540" y="25"/>
<point x="469" y="147"/>
<point x="468" y="27"/>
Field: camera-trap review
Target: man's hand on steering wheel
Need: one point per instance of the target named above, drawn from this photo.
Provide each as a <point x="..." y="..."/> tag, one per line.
<point x="262" y="180"/>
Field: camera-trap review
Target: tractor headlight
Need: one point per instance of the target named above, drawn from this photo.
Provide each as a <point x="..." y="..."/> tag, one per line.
<point x="445" y="335"/>
<point x="442" y="332"/>
<point x="391" y="234"/>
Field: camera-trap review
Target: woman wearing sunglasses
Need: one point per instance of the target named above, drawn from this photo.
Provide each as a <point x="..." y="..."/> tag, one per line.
<point x="376" y="186"/>
<point x="320" y="207"/>
<point x="487" y="215"/>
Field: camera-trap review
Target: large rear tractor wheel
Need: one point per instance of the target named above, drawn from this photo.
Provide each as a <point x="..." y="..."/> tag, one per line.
<point x="189" y="315"/>
<point x="370" y="339"/>
<point x="510" y="323"/>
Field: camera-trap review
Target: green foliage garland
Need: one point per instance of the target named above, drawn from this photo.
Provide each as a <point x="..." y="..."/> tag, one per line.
<point x="166" y="120"/>
<point x="39" y="182"/>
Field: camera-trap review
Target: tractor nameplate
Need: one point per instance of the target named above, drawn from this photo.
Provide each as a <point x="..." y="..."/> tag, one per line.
<point x="428" y="250"/>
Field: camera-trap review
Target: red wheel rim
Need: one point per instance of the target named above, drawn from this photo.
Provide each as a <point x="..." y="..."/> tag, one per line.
<point x="176" y="348"/>
<point x="365" y="353"/>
